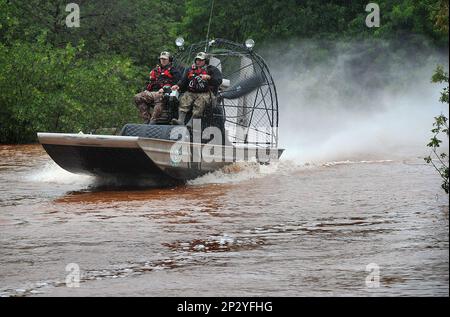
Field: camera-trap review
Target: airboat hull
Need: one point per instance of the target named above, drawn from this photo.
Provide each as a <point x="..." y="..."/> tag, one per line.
<point x="134" y="157"/>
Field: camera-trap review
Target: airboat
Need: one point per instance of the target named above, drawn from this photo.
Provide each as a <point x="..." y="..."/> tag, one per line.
<point x="242" y="125"/>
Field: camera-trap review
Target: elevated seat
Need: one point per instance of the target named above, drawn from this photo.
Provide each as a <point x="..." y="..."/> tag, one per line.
<point x="150" y="131"/>
<point x="212" y="117"/>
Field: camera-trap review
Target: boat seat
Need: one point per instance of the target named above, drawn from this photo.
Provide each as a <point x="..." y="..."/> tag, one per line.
<point x="150" y="131"/>
<point x="214" y="116"/>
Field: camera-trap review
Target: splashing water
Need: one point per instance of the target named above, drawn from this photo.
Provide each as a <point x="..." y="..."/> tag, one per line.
<point x="50" y="172"/>
<point x="347" y="107"/>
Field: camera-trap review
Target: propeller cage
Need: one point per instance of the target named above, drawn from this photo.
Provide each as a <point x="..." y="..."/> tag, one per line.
<point x="247" y="95"/>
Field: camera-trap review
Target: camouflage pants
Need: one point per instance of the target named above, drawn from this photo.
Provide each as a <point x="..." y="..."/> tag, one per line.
<point x="198" y="101"/>
<point x="149" y="104"/>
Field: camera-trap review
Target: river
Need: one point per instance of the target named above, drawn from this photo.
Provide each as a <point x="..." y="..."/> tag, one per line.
<point x="351" y="228"/>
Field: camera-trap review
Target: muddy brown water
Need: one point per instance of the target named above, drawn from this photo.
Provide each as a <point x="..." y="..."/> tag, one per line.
<point x="283" y="230"/>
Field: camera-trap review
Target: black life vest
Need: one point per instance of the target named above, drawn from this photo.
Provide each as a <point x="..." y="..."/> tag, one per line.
<point x="195" y="82"/>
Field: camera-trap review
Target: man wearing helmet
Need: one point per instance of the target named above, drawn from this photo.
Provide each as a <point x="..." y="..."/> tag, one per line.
<point x="201" y="83"/>
<point x="163" y="75"/>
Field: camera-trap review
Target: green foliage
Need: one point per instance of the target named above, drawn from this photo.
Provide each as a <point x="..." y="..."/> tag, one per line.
<point x="138" y="29"/>
<point x="440" y="15"/>
<point x="440" y="76"/>
<point x="49" y="89"/>
<point x="440" y="127"/>
<point x="314" y="19"/>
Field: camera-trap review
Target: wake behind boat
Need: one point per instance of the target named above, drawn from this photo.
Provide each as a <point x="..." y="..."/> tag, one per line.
<point x="240" y="126"/>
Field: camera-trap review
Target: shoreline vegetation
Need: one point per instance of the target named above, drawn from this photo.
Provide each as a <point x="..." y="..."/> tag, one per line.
<point x="59" y="79"/>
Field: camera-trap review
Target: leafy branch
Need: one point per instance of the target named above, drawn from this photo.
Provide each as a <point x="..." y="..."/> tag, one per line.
<point x="439" y="160"/>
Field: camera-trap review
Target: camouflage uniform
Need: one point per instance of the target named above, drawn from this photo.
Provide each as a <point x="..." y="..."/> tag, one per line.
<point x="149" y="104"/>
<point x="198" y="100"/>
<point x="198" y="93"/>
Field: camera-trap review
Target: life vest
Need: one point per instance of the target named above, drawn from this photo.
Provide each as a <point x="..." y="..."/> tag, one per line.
<point x="160" y="77"/>
<point x="195" y="82"/>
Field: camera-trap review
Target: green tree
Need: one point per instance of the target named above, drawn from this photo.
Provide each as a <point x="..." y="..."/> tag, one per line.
<point x="55" y="89"/>
<point x="317" y="19"/>
<point x="138" y="29"/>
<point x="439" y="160"/>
